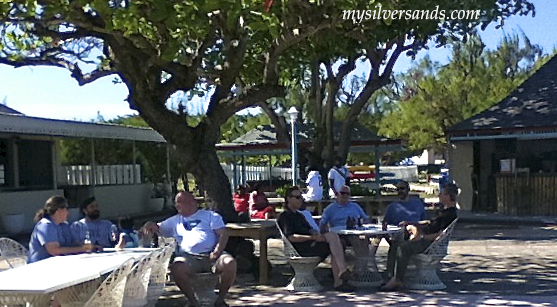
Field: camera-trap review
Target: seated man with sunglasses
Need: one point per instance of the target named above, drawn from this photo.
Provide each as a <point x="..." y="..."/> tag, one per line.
<point x="407" y="209"/>
<point x="310" y="243"/>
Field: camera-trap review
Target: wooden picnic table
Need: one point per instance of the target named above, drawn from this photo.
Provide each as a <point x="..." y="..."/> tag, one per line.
<point x="258" y="230"/>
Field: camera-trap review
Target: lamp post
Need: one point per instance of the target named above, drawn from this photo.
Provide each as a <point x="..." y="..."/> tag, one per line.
<point x="293" y="113"/>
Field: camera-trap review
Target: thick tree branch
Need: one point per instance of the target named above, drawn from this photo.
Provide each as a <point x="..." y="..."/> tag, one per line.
<point x="252" y="97"/>
<point x="76" y="72"/>
<point x="270" y="73"/>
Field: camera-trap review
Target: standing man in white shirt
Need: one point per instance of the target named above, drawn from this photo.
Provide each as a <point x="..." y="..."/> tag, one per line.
<point x="201" y="236"/>
<point x="338" y="176"/>
<point x="314" y="184"/>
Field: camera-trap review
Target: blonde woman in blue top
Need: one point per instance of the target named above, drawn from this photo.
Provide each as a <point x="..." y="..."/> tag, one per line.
<point x="52" y="235"/>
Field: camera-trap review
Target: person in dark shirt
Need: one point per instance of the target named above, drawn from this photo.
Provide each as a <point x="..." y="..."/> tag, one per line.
<point x="422" y="234"/>
<point x="309" y="242"/>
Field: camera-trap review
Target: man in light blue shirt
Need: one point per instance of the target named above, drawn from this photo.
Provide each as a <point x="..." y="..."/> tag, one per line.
<point x="101" y="232"/>
<point x="337" y="213"/>
<point x="406" y="209"/>
<point x="201" y="236"/>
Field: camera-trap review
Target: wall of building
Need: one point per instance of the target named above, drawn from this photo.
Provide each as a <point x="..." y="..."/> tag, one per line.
<point x="116" y="200"/>
<point x="460" y="168"/>
<point x="35" y="164"/>
<point x="26" y="203"/>
<point x="487" y="169"/>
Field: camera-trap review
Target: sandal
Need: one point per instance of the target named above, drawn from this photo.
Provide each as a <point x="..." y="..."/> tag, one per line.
<point x="345" y="287"/>
<point x="396" y="287"/>
<point x="346" y="275"/>
<point x="221" y="304"/>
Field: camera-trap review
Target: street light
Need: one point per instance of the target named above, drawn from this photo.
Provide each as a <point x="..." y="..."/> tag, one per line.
<point x="293" y="113"/>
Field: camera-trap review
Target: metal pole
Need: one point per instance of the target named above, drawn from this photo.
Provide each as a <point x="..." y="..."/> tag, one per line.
<point x="270" y="172"/>
<point x="377" y="172"/>
<point x="294" y="153"/>
<point x="133" y="164"/>
<point x="54" y="155"/>
<point x="244" y="181"/>
<point x="168" y="161"/>
<point x="234" y="173"/>
<point x="93" y="166"/>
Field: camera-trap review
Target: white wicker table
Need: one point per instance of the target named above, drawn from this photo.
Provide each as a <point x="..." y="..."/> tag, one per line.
<point x="36" y="282"/>
<point x="366" y="273"/>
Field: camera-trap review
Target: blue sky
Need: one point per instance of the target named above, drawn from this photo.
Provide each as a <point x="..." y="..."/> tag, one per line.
<point x="52" y="93"/>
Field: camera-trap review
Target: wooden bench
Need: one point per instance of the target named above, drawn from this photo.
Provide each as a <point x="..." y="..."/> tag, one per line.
<point x="426" y="264"/>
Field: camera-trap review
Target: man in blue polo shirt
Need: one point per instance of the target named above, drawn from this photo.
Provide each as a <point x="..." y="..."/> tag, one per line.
<point x="338" y="212"/>
<point x="406" y="209"/>
<point x="100" y="231"/>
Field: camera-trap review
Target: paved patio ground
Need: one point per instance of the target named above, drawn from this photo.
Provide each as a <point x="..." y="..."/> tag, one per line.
<point x="489" y="264"/>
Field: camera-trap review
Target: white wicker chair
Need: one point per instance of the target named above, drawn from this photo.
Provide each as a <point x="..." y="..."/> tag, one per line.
<point x="135" y="293"/>
<point x="425" y="275"/>
<point x="204" y="288"/>
<point x="76" y="296"/>
<point x="13" y="253"/>
<point x="158" y="278"/>
<point x="30" y="300"/>
<point x="109" y="292"/>
<point x="303" y="279"/>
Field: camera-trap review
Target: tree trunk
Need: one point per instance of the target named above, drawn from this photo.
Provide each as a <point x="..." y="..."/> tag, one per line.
<point x="195" y="149"/>
<point x="211" y="176"/>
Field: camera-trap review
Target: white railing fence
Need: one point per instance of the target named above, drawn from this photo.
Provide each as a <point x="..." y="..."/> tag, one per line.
<point x="255" y="173"/>
<point x="126" y="174"/>
<point x="102" y="175"/>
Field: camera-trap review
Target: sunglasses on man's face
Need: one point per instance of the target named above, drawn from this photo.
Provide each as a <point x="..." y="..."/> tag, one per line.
<point x="344" y="193"/>
<point x="401" y="188"/>
<point x="296" y="196"/>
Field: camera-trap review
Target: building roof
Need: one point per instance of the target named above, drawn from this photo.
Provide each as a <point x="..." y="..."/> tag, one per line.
<point x="263" y="140"/>
<point x="18" y="124"/>
<point x="6" y="109"/>
<point x="530" y="108"/>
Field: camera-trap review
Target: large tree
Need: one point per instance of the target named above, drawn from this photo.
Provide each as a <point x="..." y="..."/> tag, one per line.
<point x="232" y="52"/>
<point x="435" y="97"/>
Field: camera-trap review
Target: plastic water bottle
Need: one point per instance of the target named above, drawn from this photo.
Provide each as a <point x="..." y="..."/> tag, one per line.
<point x="87" y="240"/>
<point x="155" y="241"/>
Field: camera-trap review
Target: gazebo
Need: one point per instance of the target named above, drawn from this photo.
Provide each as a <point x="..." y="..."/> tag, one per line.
<point x="263" y="141"/>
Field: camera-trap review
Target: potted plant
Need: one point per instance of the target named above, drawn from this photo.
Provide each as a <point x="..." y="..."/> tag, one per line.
<point x="13" y="223"/>
<point x="159" y="195"/>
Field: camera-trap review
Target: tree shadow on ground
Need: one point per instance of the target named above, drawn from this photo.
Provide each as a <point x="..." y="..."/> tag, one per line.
<point x="464" y="232"/>
<point x="500" y="275"/>
<point x="487" y="265"/>
<point x="470" y="280"/>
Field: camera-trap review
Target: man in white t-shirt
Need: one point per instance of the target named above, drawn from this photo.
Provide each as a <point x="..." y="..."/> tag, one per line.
<point x="337" y="177"/>
<point x="201" y="237"/>
<point x="314" y="185"/>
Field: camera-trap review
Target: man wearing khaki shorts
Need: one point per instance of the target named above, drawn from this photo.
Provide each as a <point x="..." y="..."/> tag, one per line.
<point x="201" y="237"/>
